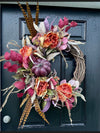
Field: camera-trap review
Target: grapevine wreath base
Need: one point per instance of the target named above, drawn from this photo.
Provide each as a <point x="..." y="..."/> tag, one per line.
<point x="35" y="80"/>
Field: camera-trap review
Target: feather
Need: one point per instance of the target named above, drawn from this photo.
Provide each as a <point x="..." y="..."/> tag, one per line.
<point x="28" y="22"/>
<point x="37" y="108"/>
<point x="30" y="19"/>
<point x="37" y="13"/>
<point x="24" y="100"/>
<point x="27" y="112"/>
<point x="24" y="112"/>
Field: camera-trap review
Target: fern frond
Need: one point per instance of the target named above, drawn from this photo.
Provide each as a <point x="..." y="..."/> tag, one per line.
<point x="37" y="108"/>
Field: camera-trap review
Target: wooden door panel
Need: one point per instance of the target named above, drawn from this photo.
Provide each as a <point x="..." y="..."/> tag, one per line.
<point x="85" y="115"/>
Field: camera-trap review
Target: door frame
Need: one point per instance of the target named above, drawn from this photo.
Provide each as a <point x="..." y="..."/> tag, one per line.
<point x="0" y="55"/>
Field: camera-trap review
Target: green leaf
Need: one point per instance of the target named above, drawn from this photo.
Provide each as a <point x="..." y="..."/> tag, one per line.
<point x="50" y="92"/>
<point x="73" y="42"/>
<point x="17" y="76"/>
<point x="79" y="95"/>
<point x="52" y="55"/>
<point x="43" y="104"/>
<point x="21" y="70"/>
<point x="28" y="79"/>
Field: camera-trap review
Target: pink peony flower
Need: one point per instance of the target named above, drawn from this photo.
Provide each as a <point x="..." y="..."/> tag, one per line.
<point x="19" y="95"/>
<point x="7" y="65"/>
<point x="7" y="55"/>
<point x="30" y="91"/>
<point x="19" y="84"/>
<point x="13" y="68"/>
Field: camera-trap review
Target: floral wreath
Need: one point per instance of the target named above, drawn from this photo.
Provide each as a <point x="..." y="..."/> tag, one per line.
<point x="32" y="67"/>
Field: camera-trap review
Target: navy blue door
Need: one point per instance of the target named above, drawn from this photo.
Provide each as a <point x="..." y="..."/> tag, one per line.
<point x="86" y="116"/>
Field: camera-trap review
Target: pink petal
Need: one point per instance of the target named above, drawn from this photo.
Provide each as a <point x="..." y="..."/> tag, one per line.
<point x="72" y="99"/>
<point x="20" y="85"/>
<point x="61" y="23"/>
<point x="64" y="40"/>
<point x="13" y="68"/>
<point x="69" y="104"/>
<point x="19" y="95"/>
<point x="59" y="44"/>
<point x="30" y="91"/>
<point x="7" y="55"/>
<point x="67" y="28"/>
<point x="66" y="21"/>
<point x="25" y="62"/>
<point x="47" y="106"/>
<point x="52" y="27"/>
<point x="46" y="23"/>
<point x="63" y="81"/>
<point x="53" y="81"/>
<point x="63" y="47"/>
<point x="74" y="83"/>
<point x="73" y="24"/>
<point x="7" y="65"/>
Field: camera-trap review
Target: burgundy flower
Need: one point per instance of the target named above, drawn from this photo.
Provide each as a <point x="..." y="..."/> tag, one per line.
<point x="30" y="91"/>
<point x="67" y="28"/>
<point x="53" y="81"/>
<point x="13" y="68"/>
<point x="7" y="65"/>
<point x="19" y="58"/>
<point x="63" y="22"/>
<point x="13" y="55"/>
<point x="16" y="56"/>
<point x="7" y="55"/>
<point x="66" y="21"/>
<point x="19" y="95"/>
<point x="73" y="24"/>
<point x="20" y="84"/>
<point x="70" y="102"/>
